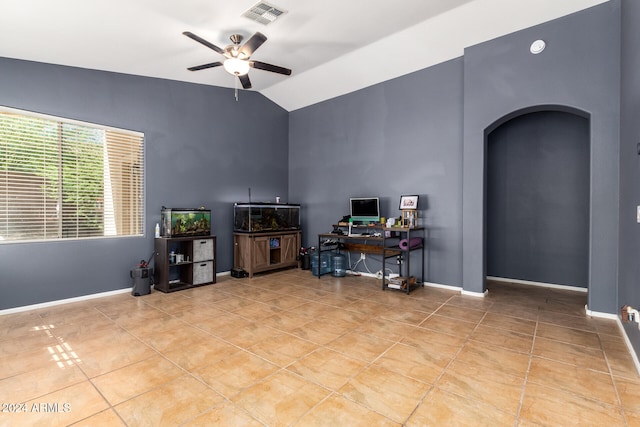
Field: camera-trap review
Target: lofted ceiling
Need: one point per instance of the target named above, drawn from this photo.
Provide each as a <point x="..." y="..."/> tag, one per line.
<point x="333" y="46"/>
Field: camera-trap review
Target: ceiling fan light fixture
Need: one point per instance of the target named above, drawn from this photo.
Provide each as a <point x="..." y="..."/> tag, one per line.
<point x="236" y="66"/>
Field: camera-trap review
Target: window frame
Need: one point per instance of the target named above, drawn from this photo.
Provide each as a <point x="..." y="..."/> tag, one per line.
<point x="140" y="188"/>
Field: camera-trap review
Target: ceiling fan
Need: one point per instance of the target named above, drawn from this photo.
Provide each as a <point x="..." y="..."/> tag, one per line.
<point x="237" y="58"/>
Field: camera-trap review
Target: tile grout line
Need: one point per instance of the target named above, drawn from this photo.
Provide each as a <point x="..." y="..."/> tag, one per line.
<point x="111" y="407"/>
<point x="158" y="305"/>
<point x="280" y="368"/>
<point x="161" y="354"/>
<point x="364" y="368"/>
<point x="444" y="370"/>
<point x="613" y="381"/>
<point x="526" y="375"/>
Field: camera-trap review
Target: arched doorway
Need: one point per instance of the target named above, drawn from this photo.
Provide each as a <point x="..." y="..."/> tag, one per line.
<point x="537" y="197"/>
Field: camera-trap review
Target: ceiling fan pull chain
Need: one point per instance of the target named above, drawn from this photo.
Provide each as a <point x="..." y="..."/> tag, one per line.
<point x="236" y="88"/>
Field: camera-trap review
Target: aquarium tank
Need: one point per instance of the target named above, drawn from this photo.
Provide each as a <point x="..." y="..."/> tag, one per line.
<point x="186" y="222"/>
<point x="257" y="217"/>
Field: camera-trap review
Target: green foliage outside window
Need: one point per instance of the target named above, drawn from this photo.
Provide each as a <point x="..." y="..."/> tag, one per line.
<point x="53" y="176"/>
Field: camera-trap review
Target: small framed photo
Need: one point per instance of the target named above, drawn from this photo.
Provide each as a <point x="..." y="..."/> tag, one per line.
<point x="408" y="203"/>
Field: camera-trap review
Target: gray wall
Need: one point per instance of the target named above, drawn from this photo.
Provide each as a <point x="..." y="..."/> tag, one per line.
<point x="404" y="136"/>
<point x="629" y="267"/>
<point x="202" y="149"/>
<point x="399" y="137"/>
<point x="538" y="199"/>
<point x="423" y="133"/>
<point x="580" y="68"/>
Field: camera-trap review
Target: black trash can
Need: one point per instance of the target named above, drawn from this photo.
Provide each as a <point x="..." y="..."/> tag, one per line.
<point x="142" y="278"/>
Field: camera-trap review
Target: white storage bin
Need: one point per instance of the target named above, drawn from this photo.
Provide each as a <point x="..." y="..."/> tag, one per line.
<point x="202" y="250"/>
<point x="202" y="272"/>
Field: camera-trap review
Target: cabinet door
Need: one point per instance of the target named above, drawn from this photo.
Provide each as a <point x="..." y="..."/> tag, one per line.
<point x="241" y="251"/>
<point x="261" y="252"/>
<point x="289" y="248"/>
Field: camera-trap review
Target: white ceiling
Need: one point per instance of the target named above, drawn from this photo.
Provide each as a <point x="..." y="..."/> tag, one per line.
<point x="333" y="46"/>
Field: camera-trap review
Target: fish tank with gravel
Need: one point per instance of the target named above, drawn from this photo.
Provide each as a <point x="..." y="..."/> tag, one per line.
<point x="185" y="222"/>
<point x="263" y="217"/>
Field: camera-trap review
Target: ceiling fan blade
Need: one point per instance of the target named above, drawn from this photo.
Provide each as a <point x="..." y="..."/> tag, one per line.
<point x="251" y="45"/>
<point x="204" y="42"/>
<point x="244" y="79"/>
<point x="268" y="67"/>
<point x="205" y="66"/>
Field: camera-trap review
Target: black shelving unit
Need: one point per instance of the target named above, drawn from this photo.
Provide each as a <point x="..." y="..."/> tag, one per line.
<point x="387" y="245"/>
<point x="196" y="268"/>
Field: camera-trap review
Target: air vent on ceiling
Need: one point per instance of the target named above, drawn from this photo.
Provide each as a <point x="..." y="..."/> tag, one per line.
<point x="264" y="13"/>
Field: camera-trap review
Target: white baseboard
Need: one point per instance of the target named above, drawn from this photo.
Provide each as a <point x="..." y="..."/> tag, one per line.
<point x="76" y="299"/>
<point x="456" y="289"/>
<point x="615" y="317"/>
<point x="632" y="351"/>
<point x="600" y="314"/>
<point x="530" y="283"/>
<point x="475" y="294"/>
<point x="63" y="301"/>
<point x="441" y="286"/>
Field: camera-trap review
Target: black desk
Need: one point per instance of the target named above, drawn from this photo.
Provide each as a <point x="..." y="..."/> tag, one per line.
<point x="386" y="245"/>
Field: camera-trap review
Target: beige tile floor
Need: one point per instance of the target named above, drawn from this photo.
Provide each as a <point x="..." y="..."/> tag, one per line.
<point x="288" y="348"/>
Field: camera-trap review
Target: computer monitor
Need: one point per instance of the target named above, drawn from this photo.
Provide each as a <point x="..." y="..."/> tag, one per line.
<point x="365" y="210"/>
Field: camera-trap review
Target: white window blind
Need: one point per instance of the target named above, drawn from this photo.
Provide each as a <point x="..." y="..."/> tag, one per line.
<point x="62" y="179"/>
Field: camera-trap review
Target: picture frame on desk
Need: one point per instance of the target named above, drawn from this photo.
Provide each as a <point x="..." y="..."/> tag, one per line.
<point x="408" y="202"/>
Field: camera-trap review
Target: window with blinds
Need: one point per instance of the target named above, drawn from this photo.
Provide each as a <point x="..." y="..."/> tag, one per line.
<point x="63" y="179"/>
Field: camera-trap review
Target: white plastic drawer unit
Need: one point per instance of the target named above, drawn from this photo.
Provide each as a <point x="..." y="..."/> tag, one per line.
<point x="202" y="250"/>
<point x="202" y="272"/>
